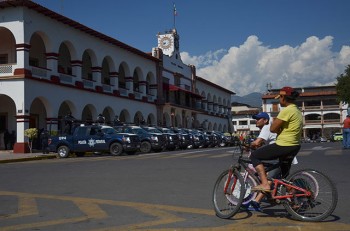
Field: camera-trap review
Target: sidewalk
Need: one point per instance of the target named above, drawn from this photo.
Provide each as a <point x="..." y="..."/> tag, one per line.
<point x="7" y="156"/>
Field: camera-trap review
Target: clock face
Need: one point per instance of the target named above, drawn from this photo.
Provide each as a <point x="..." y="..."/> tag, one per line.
<point x="165" y="43"/>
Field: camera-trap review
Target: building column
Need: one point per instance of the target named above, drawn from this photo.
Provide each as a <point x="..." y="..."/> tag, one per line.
<point x="22" y="52"/>
<point x="129" y="84"/>
<point x="21" y="145"/>
<point x="52" y="62"/>
<point x="76" y="69"/>
<point x="114" y="80"/>
<point x="142" y="87"/>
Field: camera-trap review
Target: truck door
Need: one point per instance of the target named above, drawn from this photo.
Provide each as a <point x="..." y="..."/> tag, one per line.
<point x="81" y="142"/>
<point x="97" y="140"/>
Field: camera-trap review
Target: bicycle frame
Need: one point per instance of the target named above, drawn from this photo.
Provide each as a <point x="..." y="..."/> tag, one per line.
<point x="306" y="194"/>
<point x="289" y="187"/>
<point x="277" y="183"/>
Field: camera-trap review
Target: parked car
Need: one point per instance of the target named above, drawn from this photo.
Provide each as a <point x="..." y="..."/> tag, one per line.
<point x="172" y="140"/>
<point x="94" y="138"/>
<point x="198" y="137"/>
<point x="224" y="141"/>
<point x="321" y="139"/>
<point x="184" y="137"/>
<point x="306" y="140"/>
<point x="338" y="136"/>
<point x="149" y="141"/>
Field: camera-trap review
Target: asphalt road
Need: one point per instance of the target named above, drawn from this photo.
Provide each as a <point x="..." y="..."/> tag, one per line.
<point x="158" y="191"/>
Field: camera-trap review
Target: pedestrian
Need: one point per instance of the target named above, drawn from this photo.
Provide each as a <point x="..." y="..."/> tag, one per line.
<point x="44" y="135"/>
<point x="346" y="132"/>
<point x="7" y="138"/>
<point x="101" y="119"/>
<point x="13" y="139"/>
<point x="116" y="121"/>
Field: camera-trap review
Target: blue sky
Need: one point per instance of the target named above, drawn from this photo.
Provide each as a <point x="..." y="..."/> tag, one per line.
<point x="283" y="42"/>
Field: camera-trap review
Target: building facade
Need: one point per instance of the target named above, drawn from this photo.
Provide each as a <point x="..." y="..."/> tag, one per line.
<point x="242" y="119"/>
<point x="51" y="66"/>
<point x="322" y="114"/>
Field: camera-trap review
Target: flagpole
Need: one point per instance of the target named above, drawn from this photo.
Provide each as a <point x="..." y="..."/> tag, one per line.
<point x="174" y="14"/>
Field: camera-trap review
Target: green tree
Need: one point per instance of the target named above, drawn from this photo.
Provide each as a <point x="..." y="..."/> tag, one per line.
<point x="343" y="86"/>
<point x="31" y="133"/>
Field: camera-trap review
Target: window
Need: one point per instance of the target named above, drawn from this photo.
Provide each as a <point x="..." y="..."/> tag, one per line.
<point x="3" y="58"/>
<point x="243" y="122"/>
<point x="34" y="62"/>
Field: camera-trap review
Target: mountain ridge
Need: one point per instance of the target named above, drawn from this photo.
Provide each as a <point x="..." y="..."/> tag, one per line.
<point x="252" y="99"/>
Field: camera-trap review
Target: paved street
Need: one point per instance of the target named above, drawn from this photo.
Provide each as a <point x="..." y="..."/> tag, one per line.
<point x="158" y="191"/>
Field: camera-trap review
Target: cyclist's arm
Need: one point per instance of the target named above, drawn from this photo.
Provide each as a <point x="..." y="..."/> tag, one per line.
<point x="276" y="126"/>
<point x="257" y="143"/>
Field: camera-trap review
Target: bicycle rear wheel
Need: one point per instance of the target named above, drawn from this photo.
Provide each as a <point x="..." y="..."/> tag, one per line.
<point x="228" y="194"/>
<point x="320" y="204"/>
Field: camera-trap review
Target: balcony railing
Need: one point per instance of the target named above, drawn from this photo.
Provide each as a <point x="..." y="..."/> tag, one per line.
<point x="5" y="69"/>
<point x="137" y="95"/>
<point x="107" y="88"/>
<point x="64" y="78"/>
<point x="151" y="98"/>
<point x="123" y="91"/>
<point x="40" y="72"/>
<point x="89" y="84"/>
<point x="325" y="121"/>
<point x="323" y="107"/>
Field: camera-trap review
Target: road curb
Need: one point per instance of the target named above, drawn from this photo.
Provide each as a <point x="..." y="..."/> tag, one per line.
<point x="28" y="159"/>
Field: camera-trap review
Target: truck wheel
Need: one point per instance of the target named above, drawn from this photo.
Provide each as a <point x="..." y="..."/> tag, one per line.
<point x="145" y="147"/>
<point x="116" y="149"/>
<point x="63" y="151"/>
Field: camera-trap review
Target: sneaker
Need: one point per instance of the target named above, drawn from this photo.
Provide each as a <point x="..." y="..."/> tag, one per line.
<point x="254" y="206"/>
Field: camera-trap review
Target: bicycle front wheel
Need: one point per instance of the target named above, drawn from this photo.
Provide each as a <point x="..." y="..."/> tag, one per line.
<point x="320" y="204"/>
<point x="228" y="194"/>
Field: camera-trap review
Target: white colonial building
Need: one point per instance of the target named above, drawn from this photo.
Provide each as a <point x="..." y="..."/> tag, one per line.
<point x="51" y="65"/>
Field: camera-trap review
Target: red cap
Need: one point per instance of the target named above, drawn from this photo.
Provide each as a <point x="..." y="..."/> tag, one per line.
<point x="285" y="91"/>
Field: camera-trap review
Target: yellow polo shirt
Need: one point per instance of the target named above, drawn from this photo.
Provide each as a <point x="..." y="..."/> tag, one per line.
<point x="292" y="126"/>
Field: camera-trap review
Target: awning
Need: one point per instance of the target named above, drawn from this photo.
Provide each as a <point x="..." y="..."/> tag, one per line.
<point x="171" y="87"/>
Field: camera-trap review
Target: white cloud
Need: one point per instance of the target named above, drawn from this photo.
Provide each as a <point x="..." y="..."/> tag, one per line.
<point x="249" y="67"/>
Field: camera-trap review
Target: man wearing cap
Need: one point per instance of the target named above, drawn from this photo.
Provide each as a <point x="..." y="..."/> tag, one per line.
<point x="288" y="125"/>
<point x="346" y="132"/>
<point x="265" y="136"/>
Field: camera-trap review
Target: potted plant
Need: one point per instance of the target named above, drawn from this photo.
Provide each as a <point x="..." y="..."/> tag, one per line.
<point x="31" y="133"/>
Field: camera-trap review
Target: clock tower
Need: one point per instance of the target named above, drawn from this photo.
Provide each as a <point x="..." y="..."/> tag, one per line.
<point x="169" y="42"/>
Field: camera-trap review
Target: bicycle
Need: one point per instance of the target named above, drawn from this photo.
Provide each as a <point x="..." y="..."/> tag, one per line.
<point x="307" y="195"/>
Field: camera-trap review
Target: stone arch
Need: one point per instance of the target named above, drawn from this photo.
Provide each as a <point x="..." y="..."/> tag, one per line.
<point x="7" y="114"/>
<point x="137" y="77"/>
<point x="89" y="60"/>
<point x="64" y="63"/>
<point x="124" y="116"/>
<point x="108" y="114"/>
<point x="138" y="118"/>
<point x="89" y="114"/>
<point x="105" y="71"/>
<point x="8" y="46"/>
<point x="150" y="80"/>
<point x="151" y="120"/>
<point x="37" y="52"/>
<point x="123" y="72"/>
